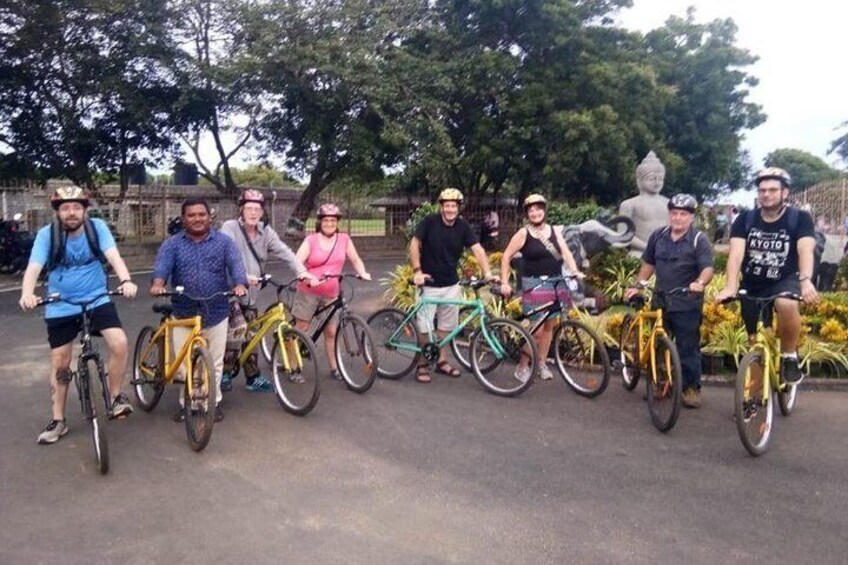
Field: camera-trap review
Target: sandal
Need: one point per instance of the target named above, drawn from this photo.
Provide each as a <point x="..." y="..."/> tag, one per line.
<point x="444" y="368"/>
<point x="422" y="374"/>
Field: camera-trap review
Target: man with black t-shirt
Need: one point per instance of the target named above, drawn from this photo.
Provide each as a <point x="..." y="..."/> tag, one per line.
<point x="773" y="248"/>
<point x="435" y="251"/>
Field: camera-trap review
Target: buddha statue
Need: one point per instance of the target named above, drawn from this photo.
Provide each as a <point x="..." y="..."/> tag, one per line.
<point x="648" y="210"/>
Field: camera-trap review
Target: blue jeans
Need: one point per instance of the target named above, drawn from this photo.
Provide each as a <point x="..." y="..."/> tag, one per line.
<point x="685" y="329"/>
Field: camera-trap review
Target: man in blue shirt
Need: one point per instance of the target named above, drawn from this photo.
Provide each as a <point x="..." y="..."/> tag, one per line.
<point x="205" y="262"/>
<point x="78" y="276"/>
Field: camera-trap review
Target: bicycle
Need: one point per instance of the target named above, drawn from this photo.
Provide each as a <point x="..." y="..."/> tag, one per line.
<point x="155" y="364"/>
<point x="354" y="349"/>
<point x="757" y="377"/>
<point x="294" y="369"/>
<point x="646" y="346"/>
<point x="580" y="355"/>
<point x="495" y="348"/>
<point x="88" y="376"/>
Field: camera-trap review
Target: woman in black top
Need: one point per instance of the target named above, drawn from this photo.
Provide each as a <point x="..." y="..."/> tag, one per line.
<point x="544" y="251"/>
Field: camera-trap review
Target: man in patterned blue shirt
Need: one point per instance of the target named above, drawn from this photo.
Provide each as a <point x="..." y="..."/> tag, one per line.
<point x="203" y="261"/>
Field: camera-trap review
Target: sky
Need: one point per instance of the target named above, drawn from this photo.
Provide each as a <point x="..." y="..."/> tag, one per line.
<point x="803" y="87"/>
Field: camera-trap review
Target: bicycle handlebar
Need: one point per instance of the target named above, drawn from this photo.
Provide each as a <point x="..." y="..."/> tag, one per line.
<point x="56" y="297"/>
<point x="742" y="294"/>
<point x="180" y="291"/>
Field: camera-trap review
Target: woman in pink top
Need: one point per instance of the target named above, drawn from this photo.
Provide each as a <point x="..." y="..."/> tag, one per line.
<point x="325" y="252"/>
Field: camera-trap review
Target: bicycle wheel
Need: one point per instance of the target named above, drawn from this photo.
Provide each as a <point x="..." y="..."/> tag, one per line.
<point x="295" y="372"/>
<point x="399" y="357"/>
<point x="581" y="358"/>
<point x="497" y="364"/>
<point x="200" y="399"/>
<point x="664" y="390"/>
<point x="148" y="360"/>
<point x="356" y="355"/>
<point x="787" y="394"/>
<point x="461" y="344"/>
<point x="753" y="414"/>
<point x="90" y="387"/>
<point x="629" y="356"/>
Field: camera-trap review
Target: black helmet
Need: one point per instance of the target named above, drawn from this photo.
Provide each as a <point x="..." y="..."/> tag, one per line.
<point x="683" y="201"/>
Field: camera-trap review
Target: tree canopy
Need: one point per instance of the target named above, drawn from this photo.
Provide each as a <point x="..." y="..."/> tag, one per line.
<point x="805" y="168"/>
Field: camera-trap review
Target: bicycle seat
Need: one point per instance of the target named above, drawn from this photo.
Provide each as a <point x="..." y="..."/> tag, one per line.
<point x="165" y="309"/>
<point x="637" y="301"/>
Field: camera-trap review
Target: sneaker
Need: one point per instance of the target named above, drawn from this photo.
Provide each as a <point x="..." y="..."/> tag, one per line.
<point x="522" y="374"/>
<point x="259" y="384"/>
<point x="226" y="382"/>
<point x="54" y="430"/>
<point x="692" y="398"/>
<point x="790" y="370"/>
<point x="297" y="378"/>
<point x="121" y="407"/>
<point x="335" y="375"/>
<point x="545" y="374"/>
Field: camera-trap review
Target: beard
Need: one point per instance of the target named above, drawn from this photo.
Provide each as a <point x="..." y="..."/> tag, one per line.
<point x="71" y="224"/>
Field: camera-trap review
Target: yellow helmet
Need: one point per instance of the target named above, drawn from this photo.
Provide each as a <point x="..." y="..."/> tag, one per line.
<point x="450" y="194"/>
<point x="535" y="199"/>
<point x="774" y="173"/>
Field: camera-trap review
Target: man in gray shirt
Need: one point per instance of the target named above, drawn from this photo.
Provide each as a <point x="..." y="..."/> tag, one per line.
<point x="256" y="242"/>
<point x="681" y="256"/>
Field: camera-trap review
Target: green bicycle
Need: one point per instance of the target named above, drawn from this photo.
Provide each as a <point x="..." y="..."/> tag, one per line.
<point x="497" y="348"/>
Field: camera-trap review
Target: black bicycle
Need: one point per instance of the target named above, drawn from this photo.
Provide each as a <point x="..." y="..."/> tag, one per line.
<point x="354" y="349"/>
<point x="581" y="358"/>
<point x="89" y="375"/>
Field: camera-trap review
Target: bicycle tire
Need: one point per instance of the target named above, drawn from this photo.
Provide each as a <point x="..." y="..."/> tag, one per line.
<point x="666" y="392"/>
<point x="96" y="418"/>
<point x="787" y="396"/>
<point x="356" y="356"/>
<point x="582" y="358"/>
<point x="498" y="375"/>
<point x="754" y="418"/>
<point x="148" y="382"/>
<point x="461" y="344"/>
<point x="295" y="386"/>
<point x="628" y="345"/>
<point x="200" y="399"/>
<point x="394" y="363"/>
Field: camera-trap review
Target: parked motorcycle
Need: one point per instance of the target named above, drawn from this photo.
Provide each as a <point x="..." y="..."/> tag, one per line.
<point x="15" y="245"/>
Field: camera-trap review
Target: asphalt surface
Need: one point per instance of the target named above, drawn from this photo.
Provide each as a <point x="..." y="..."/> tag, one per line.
<point x="411" y="473"/>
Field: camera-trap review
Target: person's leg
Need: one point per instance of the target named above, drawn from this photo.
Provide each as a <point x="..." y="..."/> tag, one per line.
<point x="448" y="319"/>
<point x="330" y="344"/>
<point x="543" y="339"/>
<point x="424" y="319"/>
<point x="60" y="378"/>
<point x="789" y="330"/>
<point x="216" y="340"/>
<point x="60" y="335"/>
<point x="686" y="329"/>
<point x="116" y="342"/>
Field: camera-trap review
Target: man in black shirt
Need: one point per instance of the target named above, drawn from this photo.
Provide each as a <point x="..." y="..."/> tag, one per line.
<point x="681" y="256"/>
<point x="773" y="247"/>
<point x="435" y="251"/>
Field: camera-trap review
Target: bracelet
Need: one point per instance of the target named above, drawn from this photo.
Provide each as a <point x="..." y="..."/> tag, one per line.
<point x="123" y="282"/>
<point x="802" y="279"/>
<point x="416" y="270"/>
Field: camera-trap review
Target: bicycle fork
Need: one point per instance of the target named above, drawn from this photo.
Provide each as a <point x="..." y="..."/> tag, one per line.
<point x="82" y="379"/>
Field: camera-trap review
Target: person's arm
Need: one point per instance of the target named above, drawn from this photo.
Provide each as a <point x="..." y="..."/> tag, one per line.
<point x="28" y="299"/>
<point x="704" y="253"/>
<point x="127" y="286"/>
<point x="283" y="252"/>
<point x="516" y="243"/>
<point x="357" y="263"/>
<point x="567" y="257"/>
<point x="806" y="253"/>
<point x="482" y="260"/>
<point x="235" y="266"/>
<point x="163" y="267"/>
<point x="646" y="271"/>
<point x="418" y="277"/>
<point x="734" y="267"/>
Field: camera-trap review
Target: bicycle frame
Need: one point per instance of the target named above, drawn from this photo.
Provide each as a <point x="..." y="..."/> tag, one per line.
<point x="173" y="362"/>
<point x="273" y="318"/>
<point x="771" y="360"/>
<point x="647" y="340"/>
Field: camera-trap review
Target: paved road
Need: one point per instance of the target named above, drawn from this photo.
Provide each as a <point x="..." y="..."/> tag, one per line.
<point x="408" y="473"/>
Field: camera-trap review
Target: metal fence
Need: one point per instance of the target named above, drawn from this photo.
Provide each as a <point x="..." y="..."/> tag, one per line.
<point x="828" y="204"/>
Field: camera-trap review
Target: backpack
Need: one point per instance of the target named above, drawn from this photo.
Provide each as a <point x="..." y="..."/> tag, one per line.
<point x="792" y="215"/>
<point x="59" y="239"/>
<point x="698" y="234"/>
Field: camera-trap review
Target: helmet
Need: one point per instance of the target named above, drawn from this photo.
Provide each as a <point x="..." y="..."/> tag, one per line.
<point x="329" y="210"/>
<point x="774" y="173"/>
<point x="68" y="194"/>
<point x="450" y="194"/>
<point x="683" y="201"/>
<point x="535" y="199"/>
<point x="251" y="195"/>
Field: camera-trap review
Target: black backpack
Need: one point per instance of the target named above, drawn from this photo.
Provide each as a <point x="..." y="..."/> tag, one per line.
<point x="59" y="240"/>
<point x="792" y="216"/>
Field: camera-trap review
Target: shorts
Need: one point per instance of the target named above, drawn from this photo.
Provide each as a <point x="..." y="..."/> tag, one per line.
<point x="447" y="314"/>
<point x="532" y="299"/>
<point x="306" y="304"/>
<point x="750" y="309"/>
<point x="62" y="331"/>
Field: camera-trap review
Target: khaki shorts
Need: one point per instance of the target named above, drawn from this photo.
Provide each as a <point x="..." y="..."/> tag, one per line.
<point x="448" y="315"/>
<point x="305" y="304"/>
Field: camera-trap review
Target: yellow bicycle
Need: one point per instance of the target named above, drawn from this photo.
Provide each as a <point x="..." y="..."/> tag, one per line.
<point x="646" y="346"/>
<point x="757" y="377"/>
<point x="155" y="364"/>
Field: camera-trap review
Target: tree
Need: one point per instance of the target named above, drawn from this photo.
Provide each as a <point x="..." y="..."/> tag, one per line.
<point x="805" y="168"/>
<point x="840" y="144"/>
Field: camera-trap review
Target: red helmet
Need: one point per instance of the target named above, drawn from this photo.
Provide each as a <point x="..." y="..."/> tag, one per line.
<point x="329" y="210"/>
<point x="69" y="194"/>
<point x="252" y="195"/>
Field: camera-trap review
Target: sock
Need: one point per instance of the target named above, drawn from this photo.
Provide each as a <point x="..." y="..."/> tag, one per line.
<point x="793" y="355"/>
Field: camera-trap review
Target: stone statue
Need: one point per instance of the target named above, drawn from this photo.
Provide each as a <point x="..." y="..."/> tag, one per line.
<point x="648" y="210"/>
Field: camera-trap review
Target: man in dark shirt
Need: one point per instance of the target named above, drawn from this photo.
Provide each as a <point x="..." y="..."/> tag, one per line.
<point x="434" y="252"/>
<point x="773" y="247"/>
<point x="203" y="261"/>
<point x="681" y="256"/>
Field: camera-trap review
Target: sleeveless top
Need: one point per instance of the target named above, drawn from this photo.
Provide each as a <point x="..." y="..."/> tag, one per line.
<point x="538" y="261"/>
<point x="323" y="261"/>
